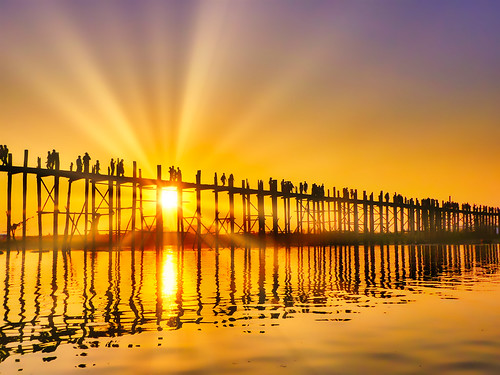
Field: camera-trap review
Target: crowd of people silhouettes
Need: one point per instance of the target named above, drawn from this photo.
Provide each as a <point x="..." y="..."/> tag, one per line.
<point x="175" y="174"/>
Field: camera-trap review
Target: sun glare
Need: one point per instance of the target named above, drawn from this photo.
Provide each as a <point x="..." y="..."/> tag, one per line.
<point x="169" y="198"/>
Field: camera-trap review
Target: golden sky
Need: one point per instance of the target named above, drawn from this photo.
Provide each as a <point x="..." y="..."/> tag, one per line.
<point x="392" y="95"/>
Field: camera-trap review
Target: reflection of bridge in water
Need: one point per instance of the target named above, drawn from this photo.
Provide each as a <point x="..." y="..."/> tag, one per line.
<point x="235" y="214"/>
<point x="87" y="298"/>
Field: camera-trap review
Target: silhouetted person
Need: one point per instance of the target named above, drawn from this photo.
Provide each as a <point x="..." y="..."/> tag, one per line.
<point x="120" y="169"/>
<point x="305" y="187"/>
<point x="48" y="163"/>
<point x="86" y="163"/>
<point x="223" y="179"/>
<point x="4" y="154"/>
<point x="79" y="164"/>
<point x="71" y="166"/>
<point x="97" y="167"/>
<point x="178" y="174"/>
<point x="171" y="172"/>
<point x="230" y="181"/>
<point x="111" y="170"/>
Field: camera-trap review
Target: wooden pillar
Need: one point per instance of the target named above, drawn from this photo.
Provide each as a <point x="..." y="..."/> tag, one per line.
<point x="39" y="208"/>
<point x="355" y="210"/>
<point x="402" y="215"/>
<point x="329" y="212"/>
<point x="381" y="211"/>
<point x="260" y="208"/>
<point x="25" y="189"/>
<point x="298" y="213"/>
<point x="244" y="205"/>
<point x="365" y="212"/>
<point x="119" y="211"/>
<point x="198" y="208"/>
<point x="308" y="213"/>
<point x="159" y="210"/>
<point x="110" y="209"/>
<point x="418" y="215"/>
<point x="395" y="202"/>
<point x="216" y="204"/>
<point x="86" y="208"/>
<point x="249" y="208"/>
<point x="56" y="210"/>
<point x="341" y="211"/>
<point x="334" y="213"/>
<point x="180" y="216"/>
<point x="141" y="208"/>
<point x="348" y="211"/>
<point x="231" y="207"/>
<point x="134" y="202"/>
<point x="323" y="219"/>
<point x="9" y="200"/>
<point x="66" y="224"/>
<point x="94" y="224"/>
<point x="372" y="216"/>
<point x="273" y="187"/>
<point x="288" y="216"/>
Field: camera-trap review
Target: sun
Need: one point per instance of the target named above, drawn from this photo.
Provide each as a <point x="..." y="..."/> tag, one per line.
<point x="169" y="198"/>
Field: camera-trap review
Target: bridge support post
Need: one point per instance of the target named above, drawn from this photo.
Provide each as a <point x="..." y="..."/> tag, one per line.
<point x="110" y="210"/>
<point x="198" y="208"/>
<point x="66" y="224"/>
<point x="25" y="189"/>
<point x="9" y="202"/>
<point x="180" y="216"/>
<point x="39" y="208"/>
<point x="159" y="210"/>
<point x="260" y="208"/>
<point x="56" y="210"/>
<point x="216" y="208"/>
<point x="134" y="203"/>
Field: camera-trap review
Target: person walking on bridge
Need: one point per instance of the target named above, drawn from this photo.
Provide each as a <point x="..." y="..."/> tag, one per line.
<point x="79" y="164"/>
<point x="86" y="163"/>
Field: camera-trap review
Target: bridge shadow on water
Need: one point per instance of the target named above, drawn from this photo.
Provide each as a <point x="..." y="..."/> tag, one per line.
<point x="90" y="298"/>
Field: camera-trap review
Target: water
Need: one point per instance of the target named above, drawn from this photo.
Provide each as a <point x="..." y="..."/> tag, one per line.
<point x="333" y="310"/>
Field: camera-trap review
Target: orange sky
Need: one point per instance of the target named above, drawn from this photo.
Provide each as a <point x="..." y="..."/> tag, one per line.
<point x="399" y="96"/>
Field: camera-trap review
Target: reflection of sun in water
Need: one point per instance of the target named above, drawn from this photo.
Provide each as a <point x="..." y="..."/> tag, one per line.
<point x="169" y="277"/>
<point x="169" y="197"/>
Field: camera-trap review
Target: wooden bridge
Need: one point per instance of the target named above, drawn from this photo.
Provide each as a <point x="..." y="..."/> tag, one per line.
<point x="238" y="214"/>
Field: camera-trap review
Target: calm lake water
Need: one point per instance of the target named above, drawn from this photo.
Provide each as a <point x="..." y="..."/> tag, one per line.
<point x="334" y="310"/>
